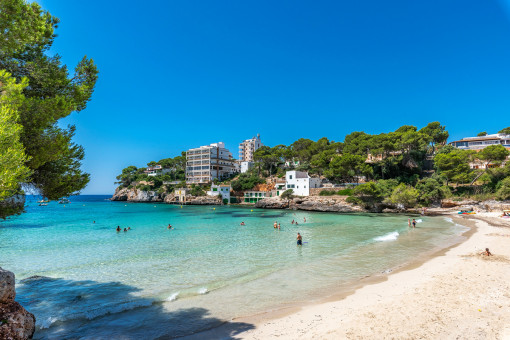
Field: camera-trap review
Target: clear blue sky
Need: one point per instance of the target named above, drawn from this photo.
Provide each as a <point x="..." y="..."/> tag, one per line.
<point x="180" y="74"/>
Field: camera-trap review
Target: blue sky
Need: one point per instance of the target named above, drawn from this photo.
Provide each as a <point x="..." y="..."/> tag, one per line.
<point x="180" y="74"/>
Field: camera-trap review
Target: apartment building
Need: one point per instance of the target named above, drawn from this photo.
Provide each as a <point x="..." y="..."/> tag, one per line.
<point x="209" y="162"/>
<point x="248" y="147"/>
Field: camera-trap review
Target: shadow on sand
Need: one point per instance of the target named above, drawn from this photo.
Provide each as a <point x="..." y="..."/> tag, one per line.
<point x="112" y="310"/>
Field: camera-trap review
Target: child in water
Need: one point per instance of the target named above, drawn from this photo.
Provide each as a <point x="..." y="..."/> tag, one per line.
<point x="299" y="239"/>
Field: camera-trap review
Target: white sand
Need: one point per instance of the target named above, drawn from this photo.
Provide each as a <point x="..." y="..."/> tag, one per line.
<point x="459" y="295"/>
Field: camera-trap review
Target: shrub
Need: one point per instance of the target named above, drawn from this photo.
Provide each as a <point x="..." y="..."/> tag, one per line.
<point x="246" y="182"/>
<point x="503" y="192"/>
<point x="431" y="190"/>
<point x="196" y="190"/>
<point x="287" y="194"/>
<point x="404" y="195"/>
<point x="327" y="193"/>
<point x="345" y="192"/>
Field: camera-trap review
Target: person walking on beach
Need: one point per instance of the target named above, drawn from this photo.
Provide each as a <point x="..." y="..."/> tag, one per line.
<point x="414" y="223"/>
<point x="299" y="239"/>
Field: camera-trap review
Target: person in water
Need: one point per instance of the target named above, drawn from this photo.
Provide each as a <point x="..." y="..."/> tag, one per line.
<point x="129" y="228"/>
<point x="278" y="226"/>
<point x="292" y="222"/>
<point x="414" y="223"/>
<point x="242" y="223"/>
<point x="118" y="228"/>
<point x="125" y="229"/>
<point x="169" y="226"/>
<point x="297" y="223"/>
<point x="486" y="252"/>
<point x="275" y="225"/>
<point x="299" y="239"/>
<point x="409" y="222"/>
<point x="304" y="219"/>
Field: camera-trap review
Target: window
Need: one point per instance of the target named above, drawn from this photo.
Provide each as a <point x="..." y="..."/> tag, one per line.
<point x="290" y="176"/>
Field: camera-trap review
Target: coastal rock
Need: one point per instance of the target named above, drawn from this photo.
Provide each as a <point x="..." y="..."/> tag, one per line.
<point x="136" y="195"/>
<point x="453" y="204"/>
<point x="272" y="203"/>
<point x="15" y="321"/>
<point x="205" y="200"/>
<point x="7" y="291"/>
<point x="310" y="203"/>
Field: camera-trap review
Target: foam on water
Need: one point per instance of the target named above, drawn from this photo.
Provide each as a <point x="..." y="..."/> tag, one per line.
<point x="203" y="291"/>
<point x="172" y="297"/>
<point x="388" y="237"/>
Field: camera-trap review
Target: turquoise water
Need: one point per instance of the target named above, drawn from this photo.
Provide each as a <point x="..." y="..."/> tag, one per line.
<point x="85" y="280"/>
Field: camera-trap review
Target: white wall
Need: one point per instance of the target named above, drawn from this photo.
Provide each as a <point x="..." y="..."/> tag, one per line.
<point x="300" y="186"/>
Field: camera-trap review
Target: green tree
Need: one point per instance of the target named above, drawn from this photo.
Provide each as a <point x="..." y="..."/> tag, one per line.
<point x="52" y="157"/>
<point x="481" y="134"/>
<point x="287" y="194"/>
<point x="492" y="153"/>
<point x="505" y="131"/>
<point x="404" y="195"/>
<point x="431" y="190"/>
<point x="13" y="170"/>
<point x="348" y="168"/>
<point x="454" y="166"/>
<point x="437" y="133"/>
<point x="503" y="192"/>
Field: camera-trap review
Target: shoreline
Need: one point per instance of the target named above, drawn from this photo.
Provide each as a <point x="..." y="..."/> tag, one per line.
<point x="324" y="313"/>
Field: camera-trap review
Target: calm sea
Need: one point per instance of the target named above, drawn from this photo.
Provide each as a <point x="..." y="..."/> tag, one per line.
<point x="82" y="279"/>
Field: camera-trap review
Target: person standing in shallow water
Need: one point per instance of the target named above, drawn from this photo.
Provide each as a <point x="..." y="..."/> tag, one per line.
<point x="299" y="239"/>
<point x="275" y="225"/>
<point x="414" y="223"/>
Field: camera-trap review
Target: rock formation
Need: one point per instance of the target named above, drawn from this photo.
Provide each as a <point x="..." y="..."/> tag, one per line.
<point x="15" y="321"/>
<point x="310" y="203"/>
<point x="136" y="195"/>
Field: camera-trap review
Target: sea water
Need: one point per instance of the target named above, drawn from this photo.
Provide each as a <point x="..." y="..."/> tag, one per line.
<point x="83" y="279"/>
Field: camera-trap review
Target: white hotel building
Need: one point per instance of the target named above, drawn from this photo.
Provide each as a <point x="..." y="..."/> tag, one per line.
<point x="209" y="162"/>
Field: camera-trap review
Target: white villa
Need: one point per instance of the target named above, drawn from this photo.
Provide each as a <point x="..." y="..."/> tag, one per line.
<point x="156" y="170"/>
<point x="220" y="190"/>
<point x="301" y="183"/>
<point x="480" y="142"/>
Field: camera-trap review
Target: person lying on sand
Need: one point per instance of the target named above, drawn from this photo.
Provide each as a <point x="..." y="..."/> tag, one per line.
<point x="486" y="252"/>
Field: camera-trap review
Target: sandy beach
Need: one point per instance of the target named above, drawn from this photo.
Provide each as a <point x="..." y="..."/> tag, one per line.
<point x="458" y="294"/>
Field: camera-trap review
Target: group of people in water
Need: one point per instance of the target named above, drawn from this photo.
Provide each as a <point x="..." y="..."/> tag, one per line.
<point x="413" y="223"/>
<point x="277" y="225"/>
<point x="119" y="229"/>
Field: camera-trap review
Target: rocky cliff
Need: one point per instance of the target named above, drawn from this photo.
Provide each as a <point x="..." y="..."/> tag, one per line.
<point x="15" y="321"/>
<point x="136" y="195"/>
<point x="310" y="203"/>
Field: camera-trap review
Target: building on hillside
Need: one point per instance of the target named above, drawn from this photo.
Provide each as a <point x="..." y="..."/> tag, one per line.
<point x="279" y="187"/>
<point x="223" y="190"/>
<point x="253" y="196"/>
<point x="155" y="170"/>
<point x="248" y="147"/>
<point x="209" y="162"/>
<point x="301" y="183"/>
<point x="180" y="195"/>
<point x="245" y="166"/>
<point x="481" y="142"/>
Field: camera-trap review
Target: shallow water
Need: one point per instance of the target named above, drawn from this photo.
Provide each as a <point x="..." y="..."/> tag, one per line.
<point x="153" y="282"/>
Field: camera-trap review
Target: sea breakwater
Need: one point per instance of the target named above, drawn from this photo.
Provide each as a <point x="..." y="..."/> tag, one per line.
<point x="15" y="321"/>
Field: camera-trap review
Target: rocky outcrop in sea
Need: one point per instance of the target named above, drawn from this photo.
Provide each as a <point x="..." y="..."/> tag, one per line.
<point x="140" y="196"/>
<point x="310" y="203"/>
<point x="15" y="322"/>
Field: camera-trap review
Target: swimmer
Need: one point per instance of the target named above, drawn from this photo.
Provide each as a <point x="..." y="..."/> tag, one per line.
<point x="125" y="229"/>
<point x="299" y="239"/>
<point x="275" y="225"/>
<point x="414" y="223"/>
<point x="292" y="222"/>
<point x="94" y="221"/>
<point x="278" y="226"/>
<point x="297" y="223"/>
<point x="242" y="223"/>
<point x="129" y="228"/>
<point x="118" y="228"/>
<point x="486" y="252"/>
<point x="169" y="226"/>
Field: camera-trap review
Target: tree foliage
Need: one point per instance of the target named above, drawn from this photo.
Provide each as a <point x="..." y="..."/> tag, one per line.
<point x="50" y="95"/>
